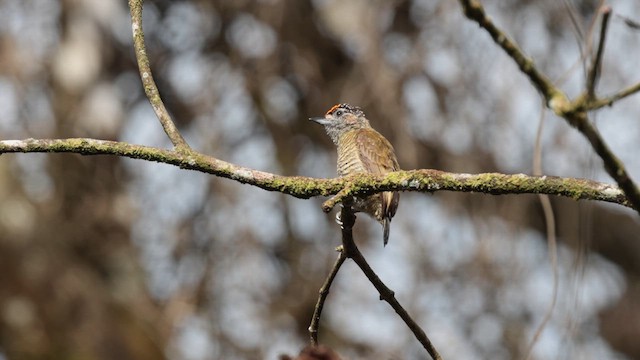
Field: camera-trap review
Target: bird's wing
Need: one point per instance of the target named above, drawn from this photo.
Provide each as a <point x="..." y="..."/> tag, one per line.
<point x="378" y="157"/>
<point x="376" y="153"/>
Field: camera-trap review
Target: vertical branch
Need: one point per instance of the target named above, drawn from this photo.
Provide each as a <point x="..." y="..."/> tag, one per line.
<point x="348" y="219"/>
<point x="596" y="65"/>
<point x="150" y="88"/>
<point x="324" y="291"/>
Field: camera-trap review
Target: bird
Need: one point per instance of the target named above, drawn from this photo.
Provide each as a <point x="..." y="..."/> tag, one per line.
<point x="361" y="149"/>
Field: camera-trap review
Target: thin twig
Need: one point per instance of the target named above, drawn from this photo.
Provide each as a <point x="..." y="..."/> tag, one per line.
<point x="577" y="27"/>
<point x="585" y="49"/>
<point x="150" y="88"/>
<point x="629" y="22"/>
<point x="594" y="72"/>
<point x="386" y="294"/>
<point x="551" y="237"/>
<point x="424" y="180"/>
<point x="608" y="101"/>
<point x="324" y="292"/>
<point x="553" y="259"/>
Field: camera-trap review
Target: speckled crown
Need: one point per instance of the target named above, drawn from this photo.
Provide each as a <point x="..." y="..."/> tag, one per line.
<point x="346" y="107"/>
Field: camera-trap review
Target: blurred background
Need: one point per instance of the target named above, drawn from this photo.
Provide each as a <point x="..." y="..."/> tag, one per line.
<point x="109" y="258"/>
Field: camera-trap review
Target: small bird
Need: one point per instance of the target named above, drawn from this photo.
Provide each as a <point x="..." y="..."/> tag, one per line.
<point x="361" y="149"/>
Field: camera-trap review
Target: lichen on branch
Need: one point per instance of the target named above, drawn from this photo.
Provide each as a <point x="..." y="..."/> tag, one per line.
<point x="423" y="180"/>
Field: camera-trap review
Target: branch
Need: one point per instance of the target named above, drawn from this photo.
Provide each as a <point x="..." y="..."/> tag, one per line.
<point x="473" y="10"/>
<point x="386" y="294"/>
<point x="558" y="101"/>
<point x="150" y="88"/>
<point x="596" y="65"/>
<point x="612" y="164"/>
<point x="427" y="180"/>
<point x="629" y="22"/>
<point x="424" y="180"/>
<point x="608" y="101"/>
<point x="324" y="292"/>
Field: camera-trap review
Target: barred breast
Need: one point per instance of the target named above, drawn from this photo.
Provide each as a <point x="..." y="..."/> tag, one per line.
<point x="364" y="150"/>
<point x="349" y="161"/>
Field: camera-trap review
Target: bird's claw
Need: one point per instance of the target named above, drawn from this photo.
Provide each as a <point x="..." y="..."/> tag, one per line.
<point x="339" y="220"/>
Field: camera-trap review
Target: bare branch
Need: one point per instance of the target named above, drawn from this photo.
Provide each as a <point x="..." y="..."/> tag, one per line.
<point x="324" y="292"/>
<point x="424" y="180"/>
<point x="150" y="88"/>
<point x="386" y="294"/>
<point x="608" y="101"/>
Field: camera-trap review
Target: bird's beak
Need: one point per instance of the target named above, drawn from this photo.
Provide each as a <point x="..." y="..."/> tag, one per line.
<point x="320" y="120"/>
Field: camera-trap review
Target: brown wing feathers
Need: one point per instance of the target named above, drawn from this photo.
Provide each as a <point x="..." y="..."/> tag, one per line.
<point x="378" y="157"/>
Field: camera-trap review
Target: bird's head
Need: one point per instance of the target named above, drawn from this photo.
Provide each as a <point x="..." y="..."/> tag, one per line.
<point x="340" y="119"/>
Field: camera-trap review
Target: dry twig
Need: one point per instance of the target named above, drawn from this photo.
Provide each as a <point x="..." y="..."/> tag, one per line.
<point x="386" y="294"/>
<point x="322" y="296"/>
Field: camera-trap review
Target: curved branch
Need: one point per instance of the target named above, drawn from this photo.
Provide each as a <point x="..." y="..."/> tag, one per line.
<point x="150" y="88"/>
<point x="424" y="180"/>
<point x="474" y="10"/>
<point x="556" y="100"/>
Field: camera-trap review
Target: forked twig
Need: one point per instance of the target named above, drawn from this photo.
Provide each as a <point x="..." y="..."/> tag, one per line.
<point x="386" y="294"/>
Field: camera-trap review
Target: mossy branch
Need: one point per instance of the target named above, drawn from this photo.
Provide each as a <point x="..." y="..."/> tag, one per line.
<point x="150" y="88"/>
<point x="424" y="180"/>
<point x="574" y="112"/>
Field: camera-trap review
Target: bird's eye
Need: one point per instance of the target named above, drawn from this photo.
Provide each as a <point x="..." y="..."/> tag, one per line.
<point x="339" y="113"/>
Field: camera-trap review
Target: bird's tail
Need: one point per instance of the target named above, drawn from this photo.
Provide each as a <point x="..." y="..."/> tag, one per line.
<point x="386" y="224"/>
